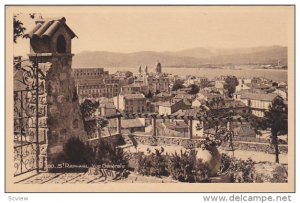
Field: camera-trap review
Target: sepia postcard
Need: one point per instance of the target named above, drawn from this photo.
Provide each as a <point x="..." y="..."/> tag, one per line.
<point x="150" y="98"/>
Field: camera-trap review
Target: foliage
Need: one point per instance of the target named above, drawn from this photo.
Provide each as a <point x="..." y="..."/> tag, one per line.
<point x="19" y="28"/>
<point x="77" y="152"/>
<point x="90" y="127"/>
<point x="185" y="167"/>
<point x="280" y="175"/>
<point x="216" y="103"/>
<point x="225" y="162"/>
<point x="195" y="89"/>
<point x="256" y="122"/>
<point x="154" y="164"/>
<point x="102" y="122"/>
<point x="276" y="118"/>
<point x="177" y="85"/>
<point x="230" y="84"/>
<point x="109" y="153"/>
<point x="241" y="171"/>
<point x="88" y="107"/>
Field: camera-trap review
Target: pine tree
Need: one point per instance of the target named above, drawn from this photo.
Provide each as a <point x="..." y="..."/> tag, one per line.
<point x="277" y="119"/>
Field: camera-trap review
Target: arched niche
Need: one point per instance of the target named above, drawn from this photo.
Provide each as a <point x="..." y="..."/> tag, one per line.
<point x="61" y="44"/>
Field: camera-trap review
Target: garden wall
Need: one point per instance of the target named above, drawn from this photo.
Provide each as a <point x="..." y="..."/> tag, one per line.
<point x="196" y="143"/>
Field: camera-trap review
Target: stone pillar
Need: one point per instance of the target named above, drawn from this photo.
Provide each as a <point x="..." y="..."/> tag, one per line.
<point x="190" y="128"/>
<point x="119" y="126"/>
<point x="154" y="126"/>
<point x="64" y="119"/>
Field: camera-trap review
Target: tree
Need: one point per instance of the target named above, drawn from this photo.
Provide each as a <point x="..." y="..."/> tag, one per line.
<point x="257" y="123"/>
<point x="195" y="89"/>
<point x="101" y="123"/>
<point x="19" y="28"/>
<point x="177" y="85"/>
<point x="216" y="106"/>
<point x="88" y="107"/>
<point x="277" y="119"/>
<point x="77" y="152"/>
<point x="230" y="84"/>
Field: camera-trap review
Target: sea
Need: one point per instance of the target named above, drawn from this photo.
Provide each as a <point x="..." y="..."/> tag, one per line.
<point x="278" y="75"/>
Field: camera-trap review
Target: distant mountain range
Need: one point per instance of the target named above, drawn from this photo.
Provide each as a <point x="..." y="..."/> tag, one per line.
<point x="197" y="57"/>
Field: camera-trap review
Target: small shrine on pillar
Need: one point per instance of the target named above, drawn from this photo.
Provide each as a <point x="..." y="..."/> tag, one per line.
<point x="50" y="47"/>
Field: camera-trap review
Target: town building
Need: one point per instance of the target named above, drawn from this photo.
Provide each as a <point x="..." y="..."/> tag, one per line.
<point x="129" y="125"/>
<point x="193" y="80"/>
<point x="106" y="107"/>
<point x="135" y="88"/>
<point x="283" y="92"/>
<point x="131" y="103"/>
<point x="95" y="83"/>
<point x="208" y="95"/>
<point x="259" y="102"/>
<point x="163" y="96"/>
<point x="244" y="84"/>
<point x="82" y="74"/>
<point x="169" y="107"/>
<point x="157" y="82"/>
<point x="96" y="89"/>
<point x="124" y="77"/>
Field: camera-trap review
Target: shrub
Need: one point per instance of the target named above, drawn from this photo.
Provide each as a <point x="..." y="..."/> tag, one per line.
<point x="77" y="152"/>
<point x="187" y="168"/>
<point x="239" y="170"/>
<point x="280" y="175"/>
<point x="107" y="153"/>
<point x="225" y="162"/>
<point x="153" y="164"/>
<point x="242" y="171"/>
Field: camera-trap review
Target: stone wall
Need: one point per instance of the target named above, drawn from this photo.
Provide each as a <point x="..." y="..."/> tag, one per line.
<point x="167" y="141"/>
<point x="63" y="111"/>
<point x="115" y="140"/>
<point x="196" y="143"/>
<point x="254" y="146"/>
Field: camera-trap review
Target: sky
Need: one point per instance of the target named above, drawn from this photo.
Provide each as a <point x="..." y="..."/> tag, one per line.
<point x="133" y="29"/>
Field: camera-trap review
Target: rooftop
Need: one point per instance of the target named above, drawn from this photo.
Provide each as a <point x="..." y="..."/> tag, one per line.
<point x="259" y="96"/>
<point x="163" y="94"/>
<point x="47" y="28"/>
<point x="127" y="123"/>
<point x="134" y="96"/>
<point x="134" y="85"/>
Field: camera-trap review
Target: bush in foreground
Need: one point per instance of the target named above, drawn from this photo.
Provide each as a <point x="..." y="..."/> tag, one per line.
<point x="185" y="167"/>
<point x="154" y="164"/>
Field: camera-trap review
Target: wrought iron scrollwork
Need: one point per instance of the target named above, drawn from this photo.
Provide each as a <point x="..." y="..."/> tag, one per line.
<point x="28" y="86"/>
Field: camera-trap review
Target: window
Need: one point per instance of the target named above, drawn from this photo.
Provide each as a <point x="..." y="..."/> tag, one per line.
<point x="61" y="44"/>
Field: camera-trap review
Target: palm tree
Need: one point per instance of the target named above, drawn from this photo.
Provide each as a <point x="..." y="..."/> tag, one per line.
<point x="277" y="119"/>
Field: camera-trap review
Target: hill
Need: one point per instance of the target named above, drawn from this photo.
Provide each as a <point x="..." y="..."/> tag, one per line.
<point x="189" y="58"/>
